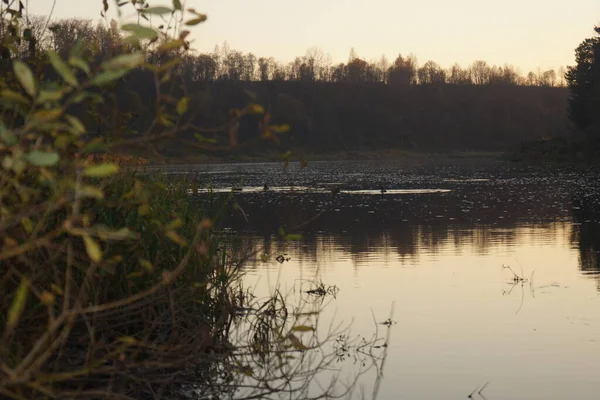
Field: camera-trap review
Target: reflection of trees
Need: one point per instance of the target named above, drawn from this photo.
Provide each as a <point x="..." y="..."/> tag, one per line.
<point x="407" y="225"/>
<point x="586" y="231"/>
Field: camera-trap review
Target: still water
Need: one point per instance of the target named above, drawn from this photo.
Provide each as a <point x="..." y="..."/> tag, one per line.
<point x="434" y="250"/>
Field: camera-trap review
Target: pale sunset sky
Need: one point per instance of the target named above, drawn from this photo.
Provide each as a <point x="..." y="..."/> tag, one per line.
<point x="525" y="33"/>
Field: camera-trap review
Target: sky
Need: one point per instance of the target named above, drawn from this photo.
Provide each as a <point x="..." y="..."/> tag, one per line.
<point x="528" y="34"/>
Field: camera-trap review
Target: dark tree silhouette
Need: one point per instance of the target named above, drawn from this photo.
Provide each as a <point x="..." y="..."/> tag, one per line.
<point x="584" y="84"/>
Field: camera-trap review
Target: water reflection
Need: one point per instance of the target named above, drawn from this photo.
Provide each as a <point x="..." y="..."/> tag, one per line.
<point x="463" y="320"/>
<point x="585" y="233"/>
<point x="467" y="221"/>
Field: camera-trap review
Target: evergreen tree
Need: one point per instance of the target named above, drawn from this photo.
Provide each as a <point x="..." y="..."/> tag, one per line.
<point x="584" y="85"/>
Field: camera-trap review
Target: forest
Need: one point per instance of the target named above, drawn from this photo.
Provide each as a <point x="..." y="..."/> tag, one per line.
<point x="358" y="105"/>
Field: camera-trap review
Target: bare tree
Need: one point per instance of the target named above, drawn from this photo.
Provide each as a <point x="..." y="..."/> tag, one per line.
<point x="383" y="65"/>
<point x="548" y="78"/>
<point x="561" y="80"/>
<point x="459" y="76"/>
<point x="480" y="72"/>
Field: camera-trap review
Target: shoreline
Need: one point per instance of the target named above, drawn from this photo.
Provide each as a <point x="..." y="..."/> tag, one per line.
<point x="340" y="156"/>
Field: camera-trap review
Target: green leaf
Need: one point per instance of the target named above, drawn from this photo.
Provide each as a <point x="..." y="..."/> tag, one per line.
<point x="62" y="68"/>
<point x="101" y="170"/>
<point x="140" y="31"/>
<point x="105" y="233"/>
<point x="92" y="248"/>
<point x="108" y="76"/>
<point x="293" y="237"/>
<point x="182" y="105"/>
<point x="303" y="328"/>
<point x="76" y="124"/>
<point x="9" y="138"/>
<point x="170" y="45"/>
<point x="18" y="305"/>
<point x="203" y="139"/>
<point x="297" y="343"/>
<point x="196" y="21"/>
<point x="49" y="95"/>
<point x="77" y="62"/>
<point x="127" y="61"/>
<point x="177" y="5"/>
<point x="13" y="97"/>
<point x="42" y="159"/>
<point x="25" y="77"/>
<point x="157" y="10"/>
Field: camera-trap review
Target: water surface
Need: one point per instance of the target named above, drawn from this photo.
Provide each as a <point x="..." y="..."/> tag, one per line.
<point x="434" y="246"/>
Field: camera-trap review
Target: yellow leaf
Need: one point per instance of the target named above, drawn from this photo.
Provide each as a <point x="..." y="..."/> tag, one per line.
<point x="92" y="191"/>
<point x="143" y="210"/>
<point x="175" y="224"/>
<point x="147" y="265"/>
<point x="182" y="105"/>
<point x="101" y="170"/>
<point x="174" y="236"/>
<point x="256" y="109"/>
<point x="9" y="242"/>
<point x="27" y="224"/>
<point x="47" y="298"/>
<point x="279" y="128"/>
<point x="48" y="115"/>
<point x="128" y="340"/>
<point x="56" y="289"/>
<point x="18" y="305"/>
<point x="92" y="248"/>
<point x="25" y="77"/>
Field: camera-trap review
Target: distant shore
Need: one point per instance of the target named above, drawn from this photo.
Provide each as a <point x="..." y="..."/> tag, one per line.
<point x="402" y="156"/>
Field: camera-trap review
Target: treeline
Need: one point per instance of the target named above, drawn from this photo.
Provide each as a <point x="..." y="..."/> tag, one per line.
<point x="353" y="106"/>
<point x="315" y="66"/>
